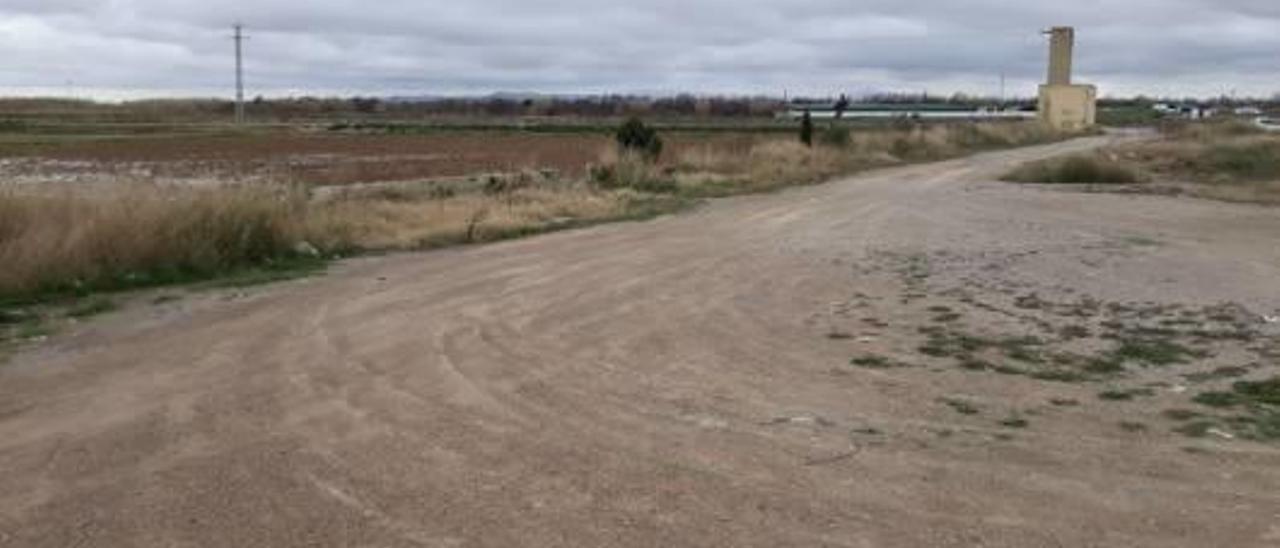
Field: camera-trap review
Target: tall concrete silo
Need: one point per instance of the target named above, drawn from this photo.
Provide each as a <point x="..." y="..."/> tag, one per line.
<point x="1065" y="106"/>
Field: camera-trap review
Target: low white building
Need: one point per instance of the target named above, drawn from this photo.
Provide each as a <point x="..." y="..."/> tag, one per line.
<point x="1187" y="111"/>
<point x="1268" y="124"/>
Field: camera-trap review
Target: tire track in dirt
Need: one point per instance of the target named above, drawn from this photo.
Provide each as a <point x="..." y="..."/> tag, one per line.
<point x="672" y="382"/>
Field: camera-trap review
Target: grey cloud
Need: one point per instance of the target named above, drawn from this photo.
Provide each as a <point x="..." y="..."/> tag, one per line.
<point x="142" y="47"/>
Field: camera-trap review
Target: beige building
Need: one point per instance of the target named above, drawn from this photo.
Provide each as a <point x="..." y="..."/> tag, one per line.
<point x="1063" y="105"/>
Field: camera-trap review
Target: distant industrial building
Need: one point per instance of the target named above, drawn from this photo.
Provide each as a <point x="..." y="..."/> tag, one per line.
<point x="1186" y="111"/>
<point x="1063" y="105"/>
<point x="916" y="111"/>
<point x="1196" y="111"/>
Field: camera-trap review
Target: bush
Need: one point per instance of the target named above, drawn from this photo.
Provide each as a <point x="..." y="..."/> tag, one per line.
<point x="837" y="136"/>
<point x="1074" y="169"/>
<point x="806" y="129"/>
<point x="637" y="138"/>
<point x="634" y="171"/>
<point x="502" y="185"/>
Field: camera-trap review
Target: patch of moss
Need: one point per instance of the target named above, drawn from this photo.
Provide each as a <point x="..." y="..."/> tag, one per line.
<point x="1129" y="426"/>
<point x="1015" y="422"/>
<point x="1219" y="373"/>
<point x="1125" y="395"/>
<point x="1154" y="352"/>
<point x="963" y="407"/>
<point x="1264" y="392"/>
<point x="1180" y="415"/>
<point x="872" y="361"/>
<point x="1196" y="429"/>
<point x="1059" y="375"/>
<point x="1218" y="399"/>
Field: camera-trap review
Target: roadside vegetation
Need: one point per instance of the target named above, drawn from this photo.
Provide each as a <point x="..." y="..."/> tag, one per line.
<point x="1230" y="161"/>
<point x="61" y="243"/>
<point x="74" y="240"/>
<point x="771" y="164"/>
<point x="1078" y="169"/>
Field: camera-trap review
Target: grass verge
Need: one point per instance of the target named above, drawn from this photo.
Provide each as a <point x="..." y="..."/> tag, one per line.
<point x="1230" y="161"/>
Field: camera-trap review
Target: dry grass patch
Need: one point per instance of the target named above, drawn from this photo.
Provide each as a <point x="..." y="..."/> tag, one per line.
<point x="381" y="224"/>
<point x="68" y="238"/>
<point x="1225" y="161"/>
<point x="1228" y="161"/>
<point x="1076" y="169"/>
<point x="772" y="162"/>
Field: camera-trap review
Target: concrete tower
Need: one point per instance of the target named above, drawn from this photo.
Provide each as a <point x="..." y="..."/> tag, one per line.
<point x="1062" y="45"/>
<point x="1065" y="106"/>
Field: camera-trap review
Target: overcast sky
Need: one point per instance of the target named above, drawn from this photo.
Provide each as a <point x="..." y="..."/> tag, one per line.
<point x="133" y="48"/>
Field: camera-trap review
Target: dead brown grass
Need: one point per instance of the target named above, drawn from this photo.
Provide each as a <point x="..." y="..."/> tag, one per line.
<point x="777" y="161"/>
<point x="380" y="223"/>
<point x="1227" y="160"/>
<point x="66" y="238"/>
<point x="58" y="239"/>
<point x="1076" y="169"/>
<point x="1224" y="160"/>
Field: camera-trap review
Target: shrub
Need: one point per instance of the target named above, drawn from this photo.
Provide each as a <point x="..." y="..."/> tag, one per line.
<point x="842" y="105"/>
<point x="837" y="136"/>
<point x="806" y="129"/>
<point x="502" y="185"/>
<point x="637" y="138"/>
<point x="1074" y="169"/>
<point x="632" y="170"/>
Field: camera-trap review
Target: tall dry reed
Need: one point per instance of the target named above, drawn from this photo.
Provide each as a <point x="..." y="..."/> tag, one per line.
<point x="60" y="238"/>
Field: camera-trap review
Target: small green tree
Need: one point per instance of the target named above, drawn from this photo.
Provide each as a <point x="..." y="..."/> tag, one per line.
<point x="806" y="129"/>
<point x="635" y="137"/>
<point x="842" y="105"/>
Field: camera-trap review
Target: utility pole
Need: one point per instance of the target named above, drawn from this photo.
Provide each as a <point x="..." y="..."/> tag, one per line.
<point x="239" y="39"/>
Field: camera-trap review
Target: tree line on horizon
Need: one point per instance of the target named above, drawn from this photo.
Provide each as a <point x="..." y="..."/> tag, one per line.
<point x="593" y="106"/>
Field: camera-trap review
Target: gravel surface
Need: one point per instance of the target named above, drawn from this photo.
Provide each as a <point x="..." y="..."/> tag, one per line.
<point x="896" y="359"/>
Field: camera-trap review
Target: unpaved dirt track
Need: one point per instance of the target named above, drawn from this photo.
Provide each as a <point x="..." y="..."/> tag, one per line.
<point x="667" y="383"/>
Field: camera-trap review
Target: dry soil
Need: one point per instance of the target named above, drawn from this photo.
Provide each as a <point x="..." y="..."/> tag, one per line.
<point x="685" y="381"/>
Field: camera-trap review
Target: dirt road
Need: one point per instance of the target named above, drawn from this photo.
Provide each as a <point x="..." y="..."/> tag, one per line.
<point x="680" y="382"/>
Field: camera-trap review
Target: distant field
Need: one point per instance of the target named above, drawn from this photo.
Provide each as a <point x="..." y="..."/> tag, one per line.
<point x="340" y="154"/>
<point x="296" y="157"/>
<point x="320" y="158"/>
